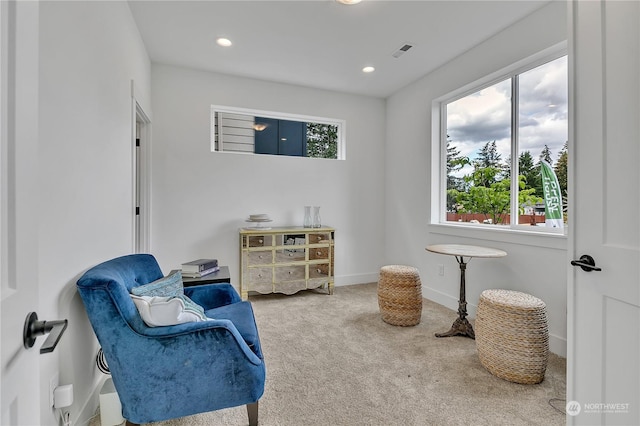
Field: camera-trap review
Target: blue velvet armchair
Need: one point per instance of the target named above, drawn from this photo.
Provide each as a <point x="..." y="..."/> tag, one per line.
<point x="173" y="371"/>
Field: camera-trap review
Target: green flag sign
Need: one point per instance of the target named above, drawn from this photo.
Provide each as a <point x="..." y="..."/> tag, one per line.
<point x="552" y="196"/>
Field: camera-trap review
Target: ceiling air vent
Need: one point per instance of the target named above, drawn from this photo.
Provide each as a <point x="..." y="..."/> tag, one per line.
<point x="402" y="50"/>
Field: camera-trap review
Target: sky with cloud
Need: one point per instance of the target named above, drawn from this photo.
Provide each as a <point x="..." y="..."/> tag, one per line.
<point x="485" y="116"/>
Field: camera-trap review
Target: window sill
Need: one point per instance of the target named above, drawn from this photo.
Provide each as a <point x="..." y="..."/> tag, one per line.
<point x="505" y="235"/>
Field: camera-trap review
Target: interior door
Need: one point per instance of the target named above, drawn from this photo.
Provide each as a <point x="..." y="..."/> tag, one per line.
<point x="292" y="138"/>
<point x="281" y="137"/>
<point x="19" y="372"/>
<point x="603" y="386"/>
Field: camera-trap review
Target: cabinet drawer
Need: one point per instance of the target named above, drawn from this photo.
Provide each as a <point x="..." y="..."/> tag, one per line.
<point x="260" y="257"/>
<point x="318" y="253"/>
<point x="321" y="270"/>
<point x="320" y="238"/>
<point x="259" y="275"/>
<point x="287" y="256"/>
<point x="290" y="273"/>
<point x="259" y="240"/>
<point x="318" y="275"/>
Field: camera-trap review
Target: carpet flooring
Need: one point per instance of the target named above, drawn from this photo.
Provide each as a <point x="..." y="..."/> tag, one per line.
<point x="331" y="360"/>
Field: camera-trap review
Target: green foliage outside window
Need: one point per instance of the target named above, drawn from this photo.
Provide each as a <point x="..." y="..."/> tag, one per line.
<point x="487" y="188"/>
<point x="322" y="140"/>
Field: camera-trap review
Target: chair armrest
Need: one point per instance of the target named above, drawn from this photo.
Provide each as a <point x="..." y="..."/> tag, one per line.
<point x="212" y="328"/>
<point x="211" y="296"/>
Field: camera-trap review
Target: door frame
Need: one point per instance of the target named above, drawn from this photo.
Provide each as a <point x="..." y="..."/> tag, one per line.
<point x="571" y="210"/>
<point x="141" y="175"/>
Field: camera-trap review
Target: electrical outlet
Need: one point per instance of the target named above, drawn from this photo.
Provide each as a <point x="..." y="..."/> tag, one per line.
<point x="53" y="384"/>
<point x="441" y="270"/>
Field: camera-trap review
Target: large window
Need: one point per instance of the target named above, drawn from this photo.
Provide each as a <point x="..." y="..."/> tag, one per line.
<point x="496" y="140"/>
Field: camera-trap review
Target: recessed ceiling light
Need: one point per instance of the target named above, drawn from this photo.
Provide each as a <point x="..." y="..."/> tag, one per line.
<point x="368" y="69"/>
<point x="349" y="2"/>
<point x="224" y="42"/>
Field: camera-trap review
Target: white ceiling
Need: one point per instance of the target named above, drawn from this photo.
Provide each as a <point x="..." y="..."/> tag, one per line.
<point x="321" y="44"/>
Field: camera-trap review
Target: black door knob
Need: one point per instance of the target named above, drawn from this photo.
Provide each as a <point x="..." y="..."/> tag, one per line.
<point x="34" y="328"/>
<point x="587" y="263"/>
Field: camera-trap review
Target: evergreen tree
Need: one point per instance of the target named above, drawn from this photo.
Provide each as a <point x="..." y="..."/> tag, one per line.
<point x="455" y="162"/>
<point x="528" y="169"/>
<point x="488" y="156"/>
<point x="546" y="155"/>
<point x="488" y="168"/>
<point x="561" y="169"/>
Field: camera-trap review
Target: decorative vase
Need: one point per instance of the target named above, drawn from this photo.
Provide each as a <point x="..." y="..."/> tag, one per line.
<point x="316" y="217"/>
<point x="308" y="223"/>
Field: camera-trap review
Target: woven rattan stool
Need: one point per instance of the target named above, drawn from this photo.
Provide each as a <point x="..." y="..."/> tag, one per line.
<point x="400" y="295"/>
<point x="512" y="337"/>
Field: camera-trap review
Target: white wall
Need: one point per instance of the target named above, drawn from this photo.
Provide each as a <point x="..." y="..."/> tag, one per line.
<point x="536" y="265"/>
<point x="89" y="53"/>
<point x="200" y="198"/>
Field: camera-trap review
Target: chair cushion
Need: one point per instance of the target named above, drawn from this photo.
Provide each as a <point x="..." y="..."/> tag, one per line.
<point x="158" y="311"/>
<point x="171" y="285"/>
<point x="241" y="314"/>
<point x="163" y="312"/>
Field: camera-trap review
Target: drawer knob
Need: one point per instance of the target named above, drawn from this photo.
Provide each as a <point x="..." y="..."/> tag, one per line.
<point x="260" y="241"/>
<point x="319" y="253"/>
<point x="290" y="272"/>
<point x="259" y="256"/>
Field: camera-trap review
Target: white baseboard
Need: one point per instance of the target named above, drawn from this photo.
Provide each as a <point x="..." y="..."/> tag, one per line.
<point x="441" y="298"/>
<point x="355" y="279"/>
<point x="90" y="407"/>
<point x="557" y="344"/>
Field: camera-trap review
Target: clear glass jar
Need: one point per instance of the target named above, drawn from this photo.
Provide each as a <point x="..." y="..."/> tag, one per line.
<point x="316" y="217"/>
<point x="308" y="222"/>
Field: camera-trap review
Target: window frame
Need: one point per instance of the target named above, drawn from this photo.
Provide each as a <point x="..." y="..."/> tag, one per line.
<point x="339" y="123"/>
<point x="438" y="220"/>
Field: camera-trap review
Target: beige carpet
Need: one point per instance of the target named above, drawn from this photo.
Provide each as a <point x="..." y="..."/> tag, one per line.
<point x="331" y="360"/>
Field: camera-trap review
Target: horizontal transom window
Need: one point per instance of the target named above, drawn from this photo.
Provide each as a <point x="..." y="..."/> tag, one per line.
<point x="265" y="132"/>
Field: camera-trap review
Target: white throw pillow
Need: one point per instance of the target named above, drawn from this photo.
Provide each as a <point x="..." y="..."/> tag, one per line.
<point x="158" y="311"/>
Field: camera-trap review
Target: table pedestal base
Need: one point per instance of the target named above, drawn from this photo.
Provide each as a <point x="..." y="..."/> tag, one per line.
<point x="460" y="327"/>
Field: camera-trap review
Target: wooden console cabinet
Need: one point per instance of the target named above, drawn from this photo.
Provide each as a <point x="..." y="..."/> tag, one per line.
<point x="286" y="259"/>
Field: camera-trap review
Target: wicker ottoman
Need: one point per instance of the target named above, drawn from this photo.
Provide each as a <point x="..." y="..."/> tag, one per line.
<point x="512" y="337"/>
<point x="400" y="295"/>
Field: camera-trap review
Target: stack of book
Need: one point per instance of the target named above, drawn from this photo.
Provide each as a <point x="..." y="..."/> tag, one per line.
<point x="199" y="268"/>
